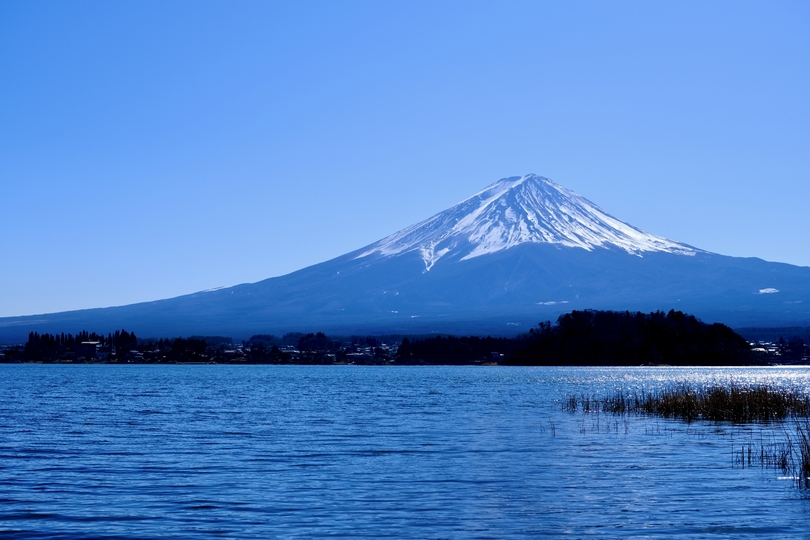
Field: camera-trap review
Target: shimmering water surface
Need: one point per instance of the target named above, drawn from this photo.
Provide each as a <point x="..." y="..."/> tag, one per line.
<point x="423" y="452"/>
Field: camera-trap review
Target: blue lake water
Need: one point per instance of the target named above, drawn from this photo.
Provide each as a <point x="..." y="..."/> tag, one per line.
<point x="106" y="451"/>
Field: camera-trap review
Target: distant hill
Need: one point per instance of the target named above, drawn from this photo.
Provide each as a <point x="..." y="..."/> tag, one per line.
<point x="521" y="251"/>
<point x="609" y="338"/>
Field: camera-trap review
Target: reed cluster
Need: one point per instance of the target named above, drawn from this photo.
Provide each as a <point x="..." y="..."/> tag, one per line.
<point x="802" y="469"/>
<point x="740" y="404"/>
<point x="733" y="403"/>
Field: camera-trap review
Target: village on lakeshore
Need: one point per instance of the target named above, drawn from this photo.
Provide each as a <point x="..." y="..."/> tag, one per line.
<point x="715" y="344"/>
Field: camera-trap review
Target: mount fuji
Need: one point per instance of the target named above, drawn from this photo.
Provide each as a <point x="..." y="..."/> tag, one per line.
<point x="520" y="251"/>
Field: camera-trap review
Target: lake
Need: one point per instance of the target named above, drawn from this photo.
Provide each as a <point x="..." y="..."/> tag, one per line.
<point x="201" y="451"/>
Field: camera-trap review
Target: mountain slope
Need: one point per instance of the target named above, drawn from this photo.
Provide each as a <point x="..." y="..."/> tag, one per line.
<point x="522" y="250"/>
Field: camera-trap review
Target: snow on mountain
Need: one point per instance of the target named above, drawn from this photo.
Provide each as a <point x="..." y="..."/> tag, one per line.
<point x="517" y="210"/>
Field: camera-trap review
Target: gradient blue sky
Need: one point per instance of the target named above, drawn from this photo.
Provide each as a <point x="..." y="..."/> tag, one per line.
<point x="152" y="149"/>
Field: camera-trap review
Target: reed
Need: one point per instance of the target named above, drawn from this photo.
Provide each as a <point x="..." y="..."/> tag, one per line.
<point x="802" y="471"/>
<point x="739" y="404"/>
<point x="732" y="403"/>
<point x="791" y="455"/>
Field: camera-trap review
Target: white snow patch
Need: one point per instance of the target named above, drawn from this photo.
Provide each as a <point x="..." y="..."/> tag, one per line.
<point x="514" y="211"/>
<point x="215" y="289"/>
<point x="430" y="255"/>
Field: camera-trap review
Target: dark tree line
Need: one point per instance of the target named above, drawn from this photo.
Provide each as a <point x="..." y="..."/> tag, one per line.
<point x="319" y="341"/>
<point x="453" y="350"/>
<point x="49" y="347"/>
<point x="601" y="338"/>
<point x="117" y="346"/>
<point x="594" y="338"/>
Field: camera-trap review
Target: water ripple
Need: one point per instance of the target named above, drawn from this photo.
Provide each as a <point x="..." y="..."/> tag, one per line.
<point x="350" y="451"/>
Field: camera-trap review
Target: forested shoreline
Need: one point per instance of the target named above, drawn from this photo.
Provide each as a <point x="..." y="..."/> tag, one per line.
<point x="589" y="337"/>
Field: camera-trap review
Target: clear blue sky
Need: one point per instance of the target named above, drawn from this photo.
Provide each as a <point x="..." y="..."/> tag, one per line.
<point x="152" y="149"/>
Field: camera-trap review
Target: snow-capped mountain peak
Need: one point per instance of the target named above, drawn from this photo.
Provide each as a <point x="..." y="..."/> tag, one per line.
<point x="518" y="210"/>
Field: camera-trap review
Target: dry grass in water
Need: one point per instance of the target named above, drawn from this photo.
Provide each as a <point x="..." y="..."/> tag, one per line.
<point x="737" y="404"/>
<point x="790" y="455"/>
<point x="718" y="404"/>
